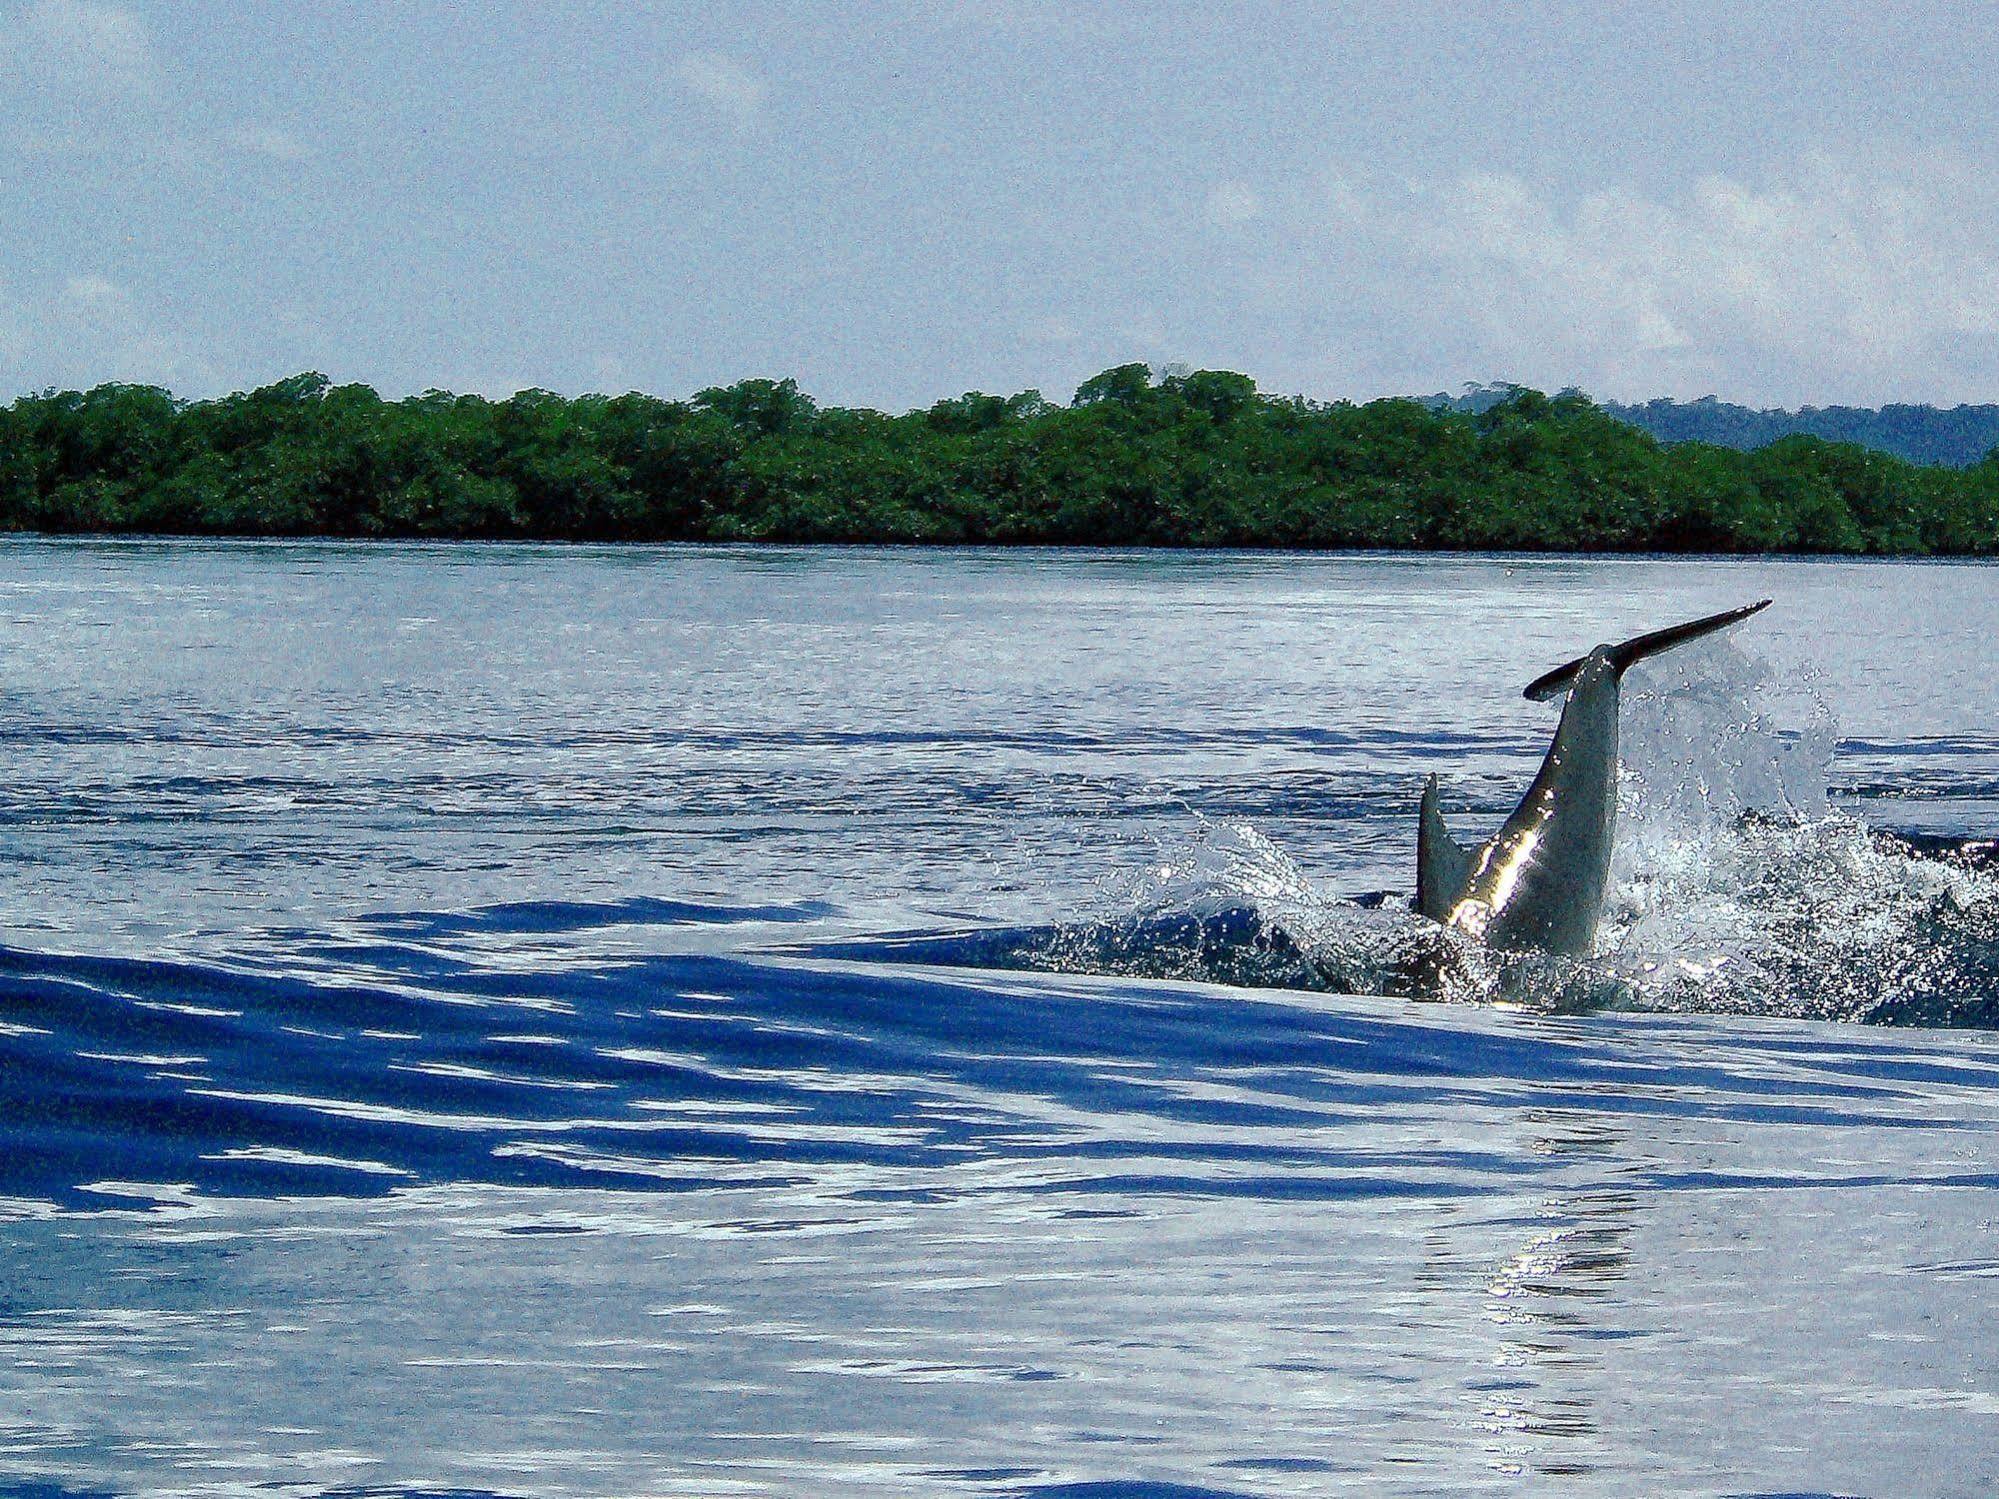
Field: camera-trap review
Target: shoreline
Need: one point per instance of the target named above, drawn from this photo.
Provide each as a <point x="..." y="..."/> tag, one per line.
<point x="1051" y="549"/>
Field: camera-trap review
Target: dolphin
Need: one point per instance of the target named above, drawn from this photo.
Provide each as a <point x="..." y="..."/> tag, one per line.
<point x="1537" y="884"/>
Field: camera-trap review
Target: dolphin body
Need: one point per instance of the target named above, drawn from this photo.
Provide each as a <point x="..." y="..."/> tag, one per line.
<point x="1537" y="884"/>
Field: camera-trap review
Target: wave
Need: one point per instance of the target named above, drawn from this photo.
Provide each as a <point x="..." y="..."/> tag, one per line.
<point x="412" y="1050"/>
<point x="663" y="1045"/>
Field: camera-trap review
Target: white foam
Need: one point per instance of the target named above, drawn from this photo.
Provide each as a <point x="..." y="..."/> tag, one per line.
<point x="1736" y="886"/>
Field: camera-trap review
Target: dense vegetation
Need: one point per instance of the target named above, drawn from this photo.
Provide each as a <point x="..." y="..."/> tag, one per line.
<point x="1196" y="459"/>
<point x="1953" y="435"/>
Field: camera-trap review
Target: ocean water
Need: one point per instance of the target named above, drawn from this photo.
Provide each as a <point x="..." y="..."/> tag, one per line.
<point x="571" y="1021"/>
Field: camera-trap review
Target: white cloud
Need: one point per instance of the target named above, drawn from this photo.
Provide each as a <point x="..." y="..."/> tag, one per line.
<point x="725" y="85"/>
<point x="1024" y="16"/>
<point x="89" y="331"/>
<point x="482" y="381"/>
<point x="93" y="292"/>
<point x="1836" y="280"/>
<point x="1232" y="203"/>
<point x="80" y="47"/>
<point x="1052" y="330"/>
<point x="76" y="76"/>
<point x="82" y="76"/>
<point x="265" y="140"/>
<point x="15" y="338"/>
<point x="1145" y="328"/>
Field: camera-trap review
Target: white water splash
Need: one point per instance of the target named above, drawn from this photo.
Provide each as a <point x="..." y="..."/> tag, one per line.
<point x="1736" y="886"/>
<point x="1232" y="864"/>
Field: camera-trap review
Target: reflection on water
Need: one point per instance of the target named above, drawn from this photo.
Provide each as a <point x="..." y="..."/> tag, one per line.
<point x="1542" y="1298"/>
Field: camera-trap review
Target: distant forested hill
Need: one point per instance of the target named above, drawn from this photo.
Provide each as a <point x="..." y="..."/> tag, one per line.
<point x="1957" y="436"/>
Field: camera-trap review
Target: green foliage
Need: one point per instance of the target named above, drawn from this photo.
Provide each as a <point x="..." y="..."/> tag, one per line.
<point x="1194" y="459"/>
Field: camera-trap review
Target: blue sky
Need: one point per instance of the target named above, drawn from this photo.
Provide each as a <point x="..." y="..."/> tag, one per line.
<point x="1776" y="203"/>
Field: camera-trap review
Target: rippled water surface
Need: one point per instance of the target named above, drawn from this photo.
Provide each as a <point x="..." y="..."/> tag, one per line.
<point x="536" y="1021"/>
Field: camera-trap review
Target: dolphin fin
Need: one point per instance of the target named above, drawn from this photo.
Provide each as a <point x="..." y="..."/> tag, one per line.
<point x="1443" y="865"/>
<point x="1639" y="647"/>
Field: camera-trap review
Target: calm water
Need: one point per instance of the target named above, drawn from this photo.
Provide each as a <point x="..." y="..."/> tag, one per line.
<point x="705" y="1022"/>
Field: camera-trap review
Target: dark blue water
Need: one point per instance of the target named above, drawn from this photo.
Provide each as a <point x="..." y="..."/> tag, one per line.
<point x="571" y="1021"/>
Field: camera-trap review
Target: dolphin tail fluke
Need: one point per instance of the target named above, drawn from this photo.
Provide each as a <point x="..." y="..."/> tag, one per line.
<point x="1639" y="647"/>
<point x="1442" y="864"/>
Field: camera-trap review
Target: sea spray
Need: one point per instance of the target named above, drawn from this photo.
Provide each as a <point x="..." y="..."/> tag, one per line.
<point x="1736" y="887"/>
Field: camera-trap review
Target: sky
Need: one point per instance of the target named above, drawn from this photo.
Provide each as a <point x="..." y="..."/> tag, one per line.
<point x="1775" y="203"/>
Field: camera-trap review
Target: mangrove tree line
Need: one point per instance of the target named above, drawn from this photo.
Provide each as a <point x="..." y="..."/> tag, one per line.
<point x="1198" y="459"/>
